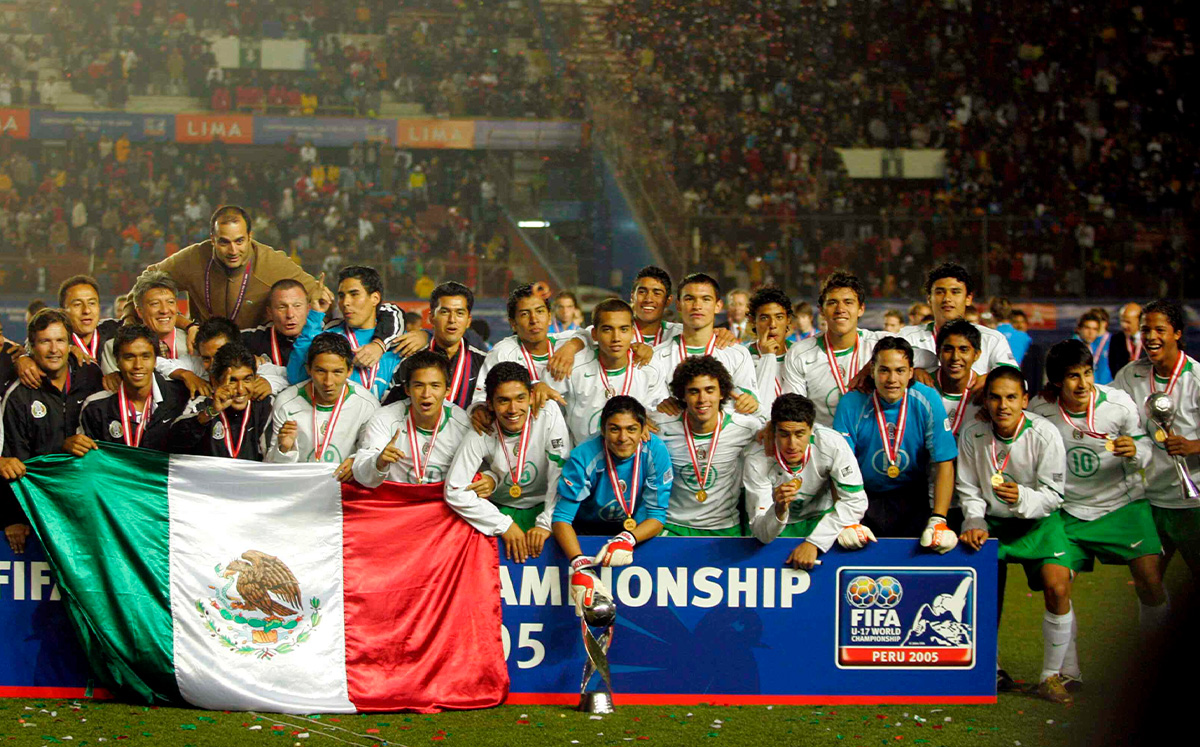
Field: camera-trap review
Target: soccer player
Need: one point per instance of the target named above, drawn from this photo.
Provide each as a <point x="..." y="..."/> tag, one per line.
<point x="699" y="300"/>
<point x="802" y="322"/>
<point x="523" y="456"/>
<point x="770" y="309"/>
<point x="287" y="308"/>
<point x="900" y="437"/>
<point x="950" y="291"/>
<point x="36" y="421"/>
<point x="321" y="419"/>
<point x="959" y="345"/>
<point x="822" y="367"/>
<point x="1010" y="481"/>
<point x="233" y="422"/>
<point x="414" y="440"/>
<point x="1105" y="515"/>
<point x="788" y="491"/>
<point x="450" y="307"/>
<point x="1090" y="331"/>
<point x="359" y="293"/>
<point x="705" y="443"/>
<point x="604" y="371"/>
<point x="1166" y="368"/>
<point x="893" y="321"/>
<point x="565" y="308"/>
<point x="141" y="411"/>
<point x="215" y="333"/>
<point x="618" y="482"/>
<point x="155" y="304"/>
<point x="530" y="346"/>
<point x="79" y="297"/>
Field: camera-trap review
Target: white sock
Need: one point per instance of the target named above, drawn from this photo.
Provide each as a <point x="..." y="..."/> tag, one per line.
<point x="1056" y="636"/>
<point x="1152" y="619"/>
<point x="1070" y="663"/>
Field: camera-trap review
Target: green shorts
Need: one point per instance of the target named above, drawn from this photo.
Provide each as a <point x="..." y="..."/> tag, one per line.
<point x="805" y="526"/>
<point x="677" y="530"/>
<point x="1115" y="538"/>
<point x="1179" y="528"/>
<point x="526" y="518"/>
<point x="1032" y="543"/>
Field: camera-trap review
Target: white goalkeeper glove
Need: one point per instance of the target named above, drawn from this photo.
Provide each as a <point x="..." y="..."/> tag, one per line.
<point x="937" y="536"/>
<point x="617" y="551"/>
<point x="584" y="583"/>
<point x="855" y="537"/>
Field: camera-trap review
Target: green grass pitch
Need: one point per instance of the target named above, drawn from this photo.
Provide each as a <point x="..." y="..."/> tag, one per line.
<point x="1107" y="612"/>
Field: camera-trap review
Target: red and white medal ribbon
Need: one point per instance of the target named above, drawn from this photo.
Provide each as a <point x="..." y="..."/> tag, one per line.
<point x="460" y="368"/>
<point x="1180" y="362"/>
<point x="851" y="366"/>
<point x="1091" y="418"/>
<point x="241" y="292"/>
<point x="321" y="443"/>
<point x="414" y="445"/>
<point x="712" y="449"/>
<point x="533" y="374"/>
<point x="709" y="347"/>
<point x="961" y="410"/>
<point x="996" y="465"/>
<point x="367" y="375"/>
<point x="657" y="335"/>
<point x="233" y="452"/>
<point x="891" y="448"/>
<point x="91" y="348"/>
<point x="171" y="346"/>
<point x="635" y="480"/>
<point x="276" y="356"/>
<point x="134" y="438"/>
<point x="522" y="447"/>
<point x="610" y="390"/>
<point x="792" y="471"/>
<point x="1134" y="350"/>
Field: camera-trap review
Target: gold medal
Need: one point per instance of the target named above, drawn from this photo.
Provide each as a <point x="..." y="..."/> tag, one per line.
<point x="796" y="482"/>
<point x="1160" y="435"/>
<point x="997" y="479"/>
<point x="629" y="524"/>
<point x="609" y="392"/>
<point x="1109" y="445"/>
<point x="702" y="495"/>
<point x="893" y="472"/>
<point x="515" y="491"/>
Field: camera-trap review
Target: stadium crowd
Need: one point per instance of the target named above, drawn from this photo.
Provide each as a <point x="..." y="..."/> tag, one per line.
<point x="777" y="425"/>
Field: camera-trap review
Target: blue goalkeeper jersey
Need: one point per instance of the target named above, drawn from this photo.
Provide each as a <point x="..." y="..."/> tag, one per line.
<point x="585" y="492"/>
<point x="314" y="325"/>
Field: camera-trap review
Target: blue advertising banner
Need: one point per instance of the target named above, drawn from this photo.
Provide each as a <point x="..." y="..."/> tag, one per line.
<point x="718" y="620"/>
<point x="139" y="128"/>
<point x="322" y="131"/>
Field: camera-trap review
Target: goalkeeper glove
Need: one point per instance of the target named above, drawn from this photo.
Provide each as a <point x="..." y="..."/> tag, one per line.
<point x="617" y="551"/>
<point x="855" y="537"/>
<point x="937" y="536"/>
<point x="584" y="583"/>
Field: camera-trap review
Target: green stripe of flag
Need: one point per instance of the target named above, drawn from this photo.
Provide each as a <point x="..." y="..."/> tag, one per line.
<point x="110" y="556"/>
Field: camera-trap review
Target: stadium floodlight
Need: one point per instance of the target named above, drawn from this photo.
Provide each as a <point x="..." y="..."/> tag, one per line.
<point x="533" y="224"/>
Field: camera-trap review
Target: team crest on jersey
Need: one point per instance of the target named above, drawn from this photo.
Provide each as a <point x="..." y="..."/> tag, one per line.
<point x="38" y="409"/>
<point x="218" y="430"/>
<point x="623" y="485"/>
<point x="114" y="429"/>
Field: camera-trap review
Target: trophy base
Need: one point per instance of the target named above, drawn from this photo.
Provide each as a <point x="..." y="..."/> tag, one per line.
<point x="596" y="702"/>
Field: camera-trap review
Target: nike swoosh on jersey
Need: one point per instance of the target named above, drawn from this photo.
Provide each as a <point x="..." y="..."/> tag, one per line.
<point x="588" y="376"/>
<point x="1138" y="376"/>
<point x="1134" y="546"/>
<point x="1059" y="554"/>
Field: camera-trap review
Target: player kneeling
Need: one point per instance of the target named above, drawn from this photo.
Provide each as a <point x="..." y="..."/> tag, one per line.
<point x="788" y="489"/>
<point x="617" y="479"/>
<point x="1010" y="480"/>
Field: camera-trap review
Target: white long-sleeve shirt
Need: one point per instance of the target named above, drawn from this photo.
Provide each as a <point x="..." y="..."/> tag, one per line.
<point x="295" y="404"/>
<point x="436" y="461"/>
<point x="1037" y="466"/>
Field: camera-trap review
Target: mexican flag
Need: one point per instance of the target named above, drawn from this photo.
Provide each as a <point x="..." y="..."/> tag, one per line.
<point x="237" y="585"/>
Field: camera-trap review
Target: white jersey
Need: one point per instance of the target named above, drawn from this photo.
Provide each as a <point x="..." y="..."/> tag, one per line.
<point x="951" y="402"/>
<point x="1036" y="465"/>
<point x="274" y="375"/>
<point x="294" y="403"/>
<point x="162" y="364"/>
<point x="768" y="372"/>
<point x="829" y="463"/>
<point x="1162" y="485"/>
<point x="546" y="453"/>
<point x="509" y="349"/>
<point x="384" y="424"/>
<point x="735" y="358"/>
<point x="1098" y="482"/>
<point x="806" y="371"/>
<point x="585" y="393"/>
<point x="995" y="350"/>
<point x="719" y="510"/>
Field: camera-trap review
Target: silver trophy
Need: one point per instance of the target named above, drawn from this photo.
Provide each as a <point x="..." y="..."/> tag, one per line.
<point x="1161" y="409"/>
<point x="601" y="613"/>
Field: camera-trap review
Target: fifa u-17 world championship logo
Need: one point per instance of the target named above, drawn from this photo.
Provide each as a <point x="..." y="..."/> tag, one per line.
<point x="906" y="618"/>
